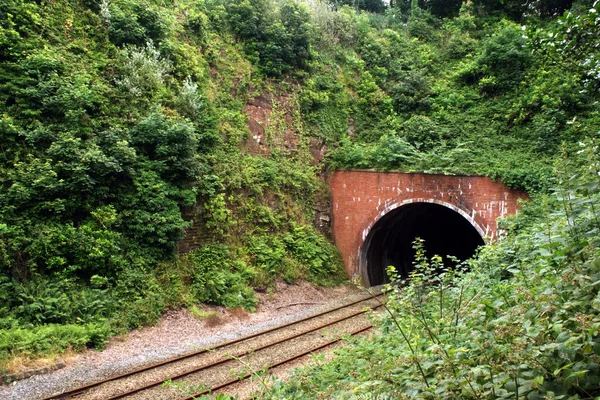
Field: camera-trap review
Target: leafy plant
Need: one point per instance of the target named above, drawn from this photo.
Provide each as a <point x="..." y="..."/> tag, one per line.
<point x="311" y="249"/>
<point x="219" y="278"/>
<point x="520" y="321"/>
<point x="144" y="69"/>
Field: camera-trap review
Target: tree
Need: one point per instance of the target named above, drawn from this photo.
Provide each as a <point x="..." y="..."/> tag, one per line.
<point x="518" y="9"/>
<point x="442" y="8"/>
<point x="375" y="6"/>
<point x="574" y="43"/>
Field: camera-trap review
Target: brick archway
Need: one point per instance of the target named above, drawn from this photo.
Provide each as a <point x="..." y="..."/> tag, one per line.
<point x="398" y="222"/>
<point x="463" y="213"/>
<point x="361" y="198"/>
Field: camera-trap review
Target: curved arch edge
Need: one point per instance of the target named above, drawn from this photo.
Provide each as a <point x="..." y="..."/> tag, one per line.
<point x="462" y="212"/>
<point x="362" y="269"/>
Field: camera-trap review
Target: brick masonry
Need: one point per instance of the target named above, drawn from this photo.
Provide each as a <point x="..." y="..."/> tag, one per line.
<point x="361" y="198"/>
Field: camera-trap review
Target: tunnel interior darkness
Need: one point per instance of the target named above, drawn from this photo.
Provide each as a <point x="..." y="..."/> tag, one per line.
<point x="390" y="241"/>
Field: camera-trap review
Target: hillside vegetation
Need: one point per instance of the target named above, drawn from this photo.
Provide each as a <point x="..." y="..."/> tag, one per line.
<point x="522" y="321"/>
<point x="117" y="115"/>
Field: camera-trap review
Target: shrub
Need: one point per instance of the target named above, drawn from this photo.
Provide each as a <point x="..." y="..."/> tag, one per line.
<point x="422" y="132"/>
<point x="332" y="28"/>
<point x="143" y="69"/>
<point x="410" y="93"/>
<point x="139" y="298"/>
<point x="51" y="339"/>
<point x="501" y="64"/>
<point x="41" y="300"/>
<point x="278" y="40"/>
<point x="219" y="278"/>
<point x="133" y="22"/>
<point x="321" y="257"/>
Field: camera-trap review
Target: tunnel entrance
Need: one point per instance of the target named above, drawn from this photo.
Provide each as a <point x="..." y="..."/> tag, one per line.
<point x="389" y="242"/>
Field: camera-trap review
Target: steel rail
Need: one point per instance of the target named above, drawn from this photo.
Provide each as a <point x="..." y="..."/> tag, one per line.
<point x="229" y="358"/>
<point x="73" y="392"/>
<point x="277" y="364"/>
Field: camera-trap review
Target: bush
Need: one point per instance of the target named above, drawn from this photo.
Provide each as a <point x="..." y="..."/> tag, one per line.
<point x="51" y="339"/>
<point x="422" y="132"/>
<point x="219" y="278"/>
<point x="411" y="93"/>
<point x="333" y="28"/>
<point x="134" y="22"/>
<point x="139" y="299"/>
<point x="423" y="25"/>
<point x="277" y="39"/>
<point x="501" y="64"/>
<point x="312" y="250"/>
<point x="143" y="70"/>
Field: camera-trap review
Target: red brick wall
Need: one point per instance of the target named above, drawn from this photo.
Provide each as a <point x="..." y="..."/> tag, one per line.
<point x="360" y="198"/>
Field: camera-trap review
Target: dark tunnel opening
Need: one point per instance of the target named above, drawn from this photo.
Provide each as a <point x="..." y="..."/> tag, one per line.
<point x="390" y="241"/>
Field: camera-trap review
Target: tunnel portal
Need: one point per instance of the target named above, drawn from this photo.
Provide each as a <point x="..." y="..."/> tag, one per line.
<point x="390" y="241"/>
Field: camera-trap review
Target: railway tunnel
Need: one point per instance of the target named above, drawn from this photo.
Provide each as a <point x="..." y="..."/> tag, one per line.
<point x="390" y="241"/>
<point x="376" y="215"/>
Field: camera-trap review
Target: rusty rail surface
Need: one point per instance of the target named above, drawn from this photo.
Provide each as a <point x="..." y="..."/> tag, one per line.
<point x="73" y="393"/>
<point x="278" y="364"/>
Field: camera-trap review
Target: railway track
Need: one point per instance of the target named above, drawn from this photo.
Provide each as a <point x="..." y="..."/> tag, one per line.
<point x="231" y="364"/>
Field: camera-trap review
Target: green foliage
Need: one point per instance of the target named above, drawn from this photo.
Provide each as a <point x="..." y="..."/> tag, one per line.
<point x="268" y="254"/>
<point x="277" y="38"/>
<point x="42" y="301"/>
<point x="119" y="115"/>
<point x="51" y="339"/>
<point x="218" y="277"/>
<point x="316" y="253"/>
<point x="133" y="22"/>
<point x="139" y="299"/>
<point x="422" y="132"/>
<point x="332" y="28"/>
<point x="18" y="19"/>
<point x="502" y="62"/>
<point x="375" y="6"/>
<point x="470" y="98"/>
<point x="572" y="38"/>
<point x="143" y="70"/>
<point x="520" y="321"/>
<point x="170" y="146"/>
<point x="410" y="93"/>
<point x="519" y="9"/>
<point x="422" y="24"/>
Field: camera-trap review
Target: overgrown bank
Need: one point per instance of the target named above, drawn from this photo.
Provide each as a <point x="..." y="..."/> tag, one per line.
<point x="118" y="114"/>
<point x="522" y="321"/>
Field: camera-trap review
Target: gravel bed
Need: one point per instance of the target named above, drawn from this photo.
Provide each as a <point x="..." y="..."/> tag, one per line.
<point x="246" y="389"/>
<point x="256" y="361"/>
<point x="158" y="375"/>
<point x="178" y="333"/>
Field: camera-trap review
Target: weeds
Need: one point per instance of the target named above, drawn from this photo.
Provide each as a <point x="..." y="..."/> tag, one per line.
<point x="520" y="321"/>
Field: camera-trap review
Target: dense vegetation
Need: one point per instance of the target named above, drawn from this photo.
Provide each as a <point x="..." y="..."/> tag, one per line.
<point x="521" y="322"/>
<point x="117" y="115"/>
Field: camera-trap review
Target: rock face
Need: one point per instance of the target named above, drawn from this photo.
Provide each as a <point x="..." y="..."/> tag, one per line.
<point x="322" y="219"/>
<point x="259" y="112"/>
<point x="268" y="114"/>
<point x="195" y="235"/>
<point x="317" y="150"/>
<point x="272" y="127"/>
